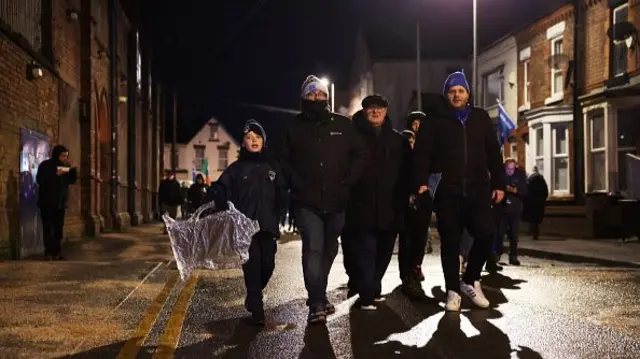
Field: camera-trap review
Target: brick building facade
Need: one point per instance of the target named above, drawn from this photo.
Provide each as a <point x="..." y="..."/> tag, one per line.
<point x="70" y="103"/>
<point x="609" y="95"/>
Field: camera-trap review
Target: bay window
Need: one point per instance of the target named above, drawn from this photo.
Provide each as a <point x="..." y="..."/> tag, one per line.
<point x="539" y="151"/>
<point x="549" y="151"/>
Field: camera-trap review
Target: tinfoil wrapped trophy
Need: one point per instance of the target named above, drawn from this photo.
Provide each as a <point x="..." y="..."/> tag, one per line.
<point x="210" y="239"/>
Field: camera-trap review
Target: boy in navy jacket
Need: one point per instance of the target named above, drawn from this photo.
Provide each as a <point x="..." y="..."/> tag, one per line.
<point x="256" y="188"/>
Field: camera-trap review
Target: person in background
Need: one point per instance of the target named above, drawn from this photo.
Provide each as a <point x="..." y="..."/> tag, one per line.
<point x="535" y="202"/>
<point x="375" y="213"/>
<point x="509" y="213"/>
<point x="170" y="196"/>
<point x="256" y="187"/>
<point x="323" y="156"/>
<point x="460" y="143"/>
<point x="184" y="206"/>
<point x="54" y="177"/>
<point x="196" y="195"/>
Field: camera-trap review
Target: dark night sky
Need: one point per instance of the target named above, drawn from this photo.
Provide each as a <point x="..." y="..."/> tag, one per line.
<point x="217" y="52"/>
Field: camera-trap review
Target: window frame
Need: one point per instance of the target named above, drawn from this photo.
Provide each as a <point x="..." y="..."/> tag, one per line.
<point x="197" y="162"/>
<point x="485" y="84"/>
<point x="560" y="155"/>
<point x="526" y="94"/>
<point x="221" y="158"/>
<point x="589" y="115"/>
<point x="554" y="71"/>
<point x="614" y="45"/>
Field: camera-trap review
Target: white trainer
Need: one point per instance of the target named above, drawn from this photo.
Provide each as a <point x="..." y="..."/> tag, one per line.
<point x="453" y="301"/>
<point x="474" y="292"/>
<point x="368" y="308"/>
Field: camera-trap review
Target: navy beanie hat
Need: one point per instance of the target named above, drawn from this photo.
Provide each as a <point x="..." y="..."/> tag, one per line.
<point x="456" y="79"/>
<point x="255" y="127"/>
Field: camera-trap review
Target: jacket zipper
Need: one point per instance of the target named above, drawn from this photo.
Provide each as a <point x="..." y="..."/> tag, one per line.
<point x="464" y="169"/>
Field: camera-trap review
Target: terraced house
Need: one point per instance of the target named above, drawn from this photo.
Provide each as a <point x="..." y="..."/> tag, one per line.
<point x="581" y="150"/>
<point x="78" y="73"/>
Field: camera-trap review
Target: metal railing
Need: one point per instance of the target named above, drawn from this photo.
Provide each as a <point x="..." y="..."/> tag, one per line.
<point x="24" y="17"/>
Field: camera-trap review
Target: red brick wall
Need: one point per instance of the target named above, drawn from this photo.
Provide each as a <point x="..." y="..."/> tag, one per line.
<point x="23" y="104"/>
<point x="596" y="60"/>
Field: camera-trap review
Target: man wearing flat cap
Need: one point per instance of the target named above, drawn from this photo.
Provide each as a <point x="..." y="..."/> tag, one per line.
<point x="375" y="213"/>
<point x="323" y="156"/>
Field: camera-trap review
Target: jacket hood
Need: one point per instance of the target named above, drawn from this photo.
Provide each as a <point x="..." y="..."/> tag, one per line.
<point x="57" y="151"/>
<point x="362" y="124"/>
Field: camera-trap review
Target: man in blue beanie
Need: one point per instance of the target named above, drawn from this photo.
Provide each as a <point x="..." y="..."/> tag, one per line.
<point x="459" y="141"/>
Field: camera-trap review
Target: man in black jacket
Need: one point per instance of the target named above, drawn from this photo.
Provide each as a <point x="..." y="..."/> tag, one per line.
<point x="376" y="208"/>
<point x="323" y="157"/>
<point x="460" y="142"/>
<point x="53" y="178"/>
<point x="510" y="212"/>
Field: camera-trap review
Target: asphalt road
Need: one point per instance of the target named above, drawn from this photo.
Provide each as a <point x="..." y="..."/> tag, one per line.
<point x="543" y="309"/>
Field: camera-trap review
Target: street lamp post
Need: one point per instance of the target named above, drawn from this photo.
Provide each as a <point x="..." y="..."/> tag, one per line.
<point x="475" y="52"/>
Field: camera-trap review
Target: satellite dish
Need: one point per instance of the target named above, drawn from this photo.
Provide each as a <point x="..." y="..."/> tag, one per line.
<point x="558" y="61"/>
<point x="621" y="31"/>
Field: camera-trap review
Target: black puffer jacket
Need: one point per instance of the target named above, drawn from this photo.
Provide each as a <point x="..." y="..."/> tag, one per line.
<point x="380" y="197"/>
<point x="323" y="156"/>
<point x="465" y="153"/>
<point x="256" y="188"/>
<point x="53" y="191"/>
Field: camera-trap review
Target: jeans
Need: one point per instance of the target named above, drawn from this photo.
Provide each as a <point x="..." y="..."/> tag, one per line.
<point x="465" y="244"/>
<point x="456" y="213"/>
<point x="259" y="268"/>
<point x="509" y="225"/>
<point x="319" y="232"/>
<point x="374" y="250"/>
<point x="52" y="230"/>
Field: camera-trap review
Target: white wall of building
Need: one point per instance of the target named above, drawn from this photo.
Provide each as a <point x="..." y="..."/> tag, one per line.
<point x="216" y="142"/>
<point x="501" y="58"/>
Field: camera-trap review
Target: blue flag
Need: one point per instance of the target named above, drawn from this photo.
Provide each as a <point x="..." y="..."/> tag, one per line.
<point x="505" y="125"/>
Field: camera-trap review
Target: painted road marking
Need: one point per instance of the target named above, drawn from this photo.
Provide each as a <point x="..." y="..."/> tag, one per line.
<point x="171" y="336"/>
<point x="132" y="346"/>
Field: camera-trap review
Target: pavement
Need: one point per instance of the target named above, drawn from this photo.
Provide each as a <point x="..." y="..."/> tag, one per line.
<point x="118" y="297"/>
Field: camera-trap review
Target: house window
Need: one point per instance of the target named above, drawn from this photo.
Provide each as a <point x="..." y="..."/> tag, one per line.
<point x="557" y="80"/>
<point x="213" y="134"/>
<point x="493" y="88"/>
<point x="539" y="150"/>
<point x="560" y="157"/>
<point x="619" y="50"/>
<point x="525" y="93"/>
<point x="199" y="157"/>
<point x="597" y="151"/>
<point x="223" y="158"/>
<point x="627" y="132"/>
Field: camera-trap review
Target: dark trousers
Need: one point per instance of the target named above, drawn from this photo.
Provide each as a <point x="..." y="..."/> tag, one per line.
<point x="52" y="230"/>
<point x="259" y="268"/>
<point x="534" y="229"/>
<point x="319" y="232"/>
<point x="348" y="257"/>
<point x="413" y="241"/>
<point x="374" y="250"/>
<point x="455" y="213"/>
<point x="509" y="225"/>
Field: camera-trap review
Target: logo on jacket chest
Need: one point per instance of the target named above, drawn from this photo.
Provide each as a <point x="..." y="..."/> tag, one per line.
<point x="272" y="175"/>
<point x="335" y="133"/>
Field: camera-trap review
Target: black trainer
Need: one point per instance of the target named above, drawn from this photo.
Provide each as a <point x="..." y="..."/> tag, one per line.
<point x="317" y="317"/>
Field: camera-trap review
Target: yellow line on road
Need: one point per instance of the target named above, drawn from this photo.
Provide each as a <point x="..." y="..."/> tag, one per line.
<point x="171" y="336"/>
<point x="132" y="346"/>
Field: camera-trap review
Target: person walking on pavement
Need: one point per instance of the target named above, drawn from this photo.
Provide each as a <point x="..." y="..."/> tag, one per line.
<point x="510" y="212"/>
<point x="196" y="194"/>
<point x="323" y="157"/>
<point x="378" y="200"/>
<point x="54" y="177"/>
<point x="535" y="202"/>
<point x="460" y="142"/>
<point x="170" y="196"/>
<point x="256" y="187"/>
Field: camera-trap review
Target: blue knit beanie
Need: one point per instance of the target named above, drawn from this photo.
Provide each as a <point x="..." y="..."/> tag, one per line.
<point x="255" y="127"/>
<point x="456" y="79"/>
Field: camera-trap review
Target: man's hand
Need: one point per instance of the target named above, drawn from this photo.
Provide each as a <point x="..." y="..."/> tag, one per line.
<point x="59" y="172"/>
<point x="423" y="189"/>
<point x="512" y="189"/>
<point x="497" y="196"/>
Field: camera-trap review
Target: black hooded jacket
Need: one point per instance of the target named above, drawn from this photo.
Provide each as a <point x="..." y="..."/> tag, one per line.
<point x="256" y="187"/>
<point x="379" y="198"/>
<point x="465" y="153"/>
<point x="196" y="193"/>
<point x="53" y="191"/>
<point x="322" y="156"/>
